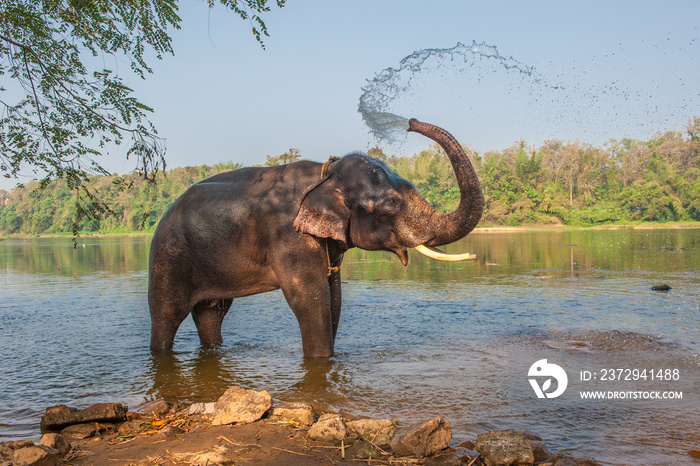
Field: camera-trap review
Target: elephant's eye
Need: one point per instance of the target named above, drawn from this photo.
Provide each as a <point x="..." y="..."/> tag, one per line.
<point x="392" y="204"/>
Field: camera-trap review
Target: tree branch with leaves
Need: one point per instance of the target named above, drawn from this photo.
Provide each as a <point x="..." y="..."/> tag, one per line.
<point x="58" y="111"/>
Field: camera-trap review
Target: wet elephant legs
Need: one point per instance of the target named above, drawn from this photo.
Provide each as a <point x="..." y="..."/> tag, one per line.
<point x="167" y="317"/>
<point x="208" y="316"/>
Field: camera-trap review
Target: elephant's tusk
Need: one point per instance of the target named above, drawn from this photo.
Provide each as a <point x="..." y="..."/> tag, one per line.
<point x="434" y="253"/>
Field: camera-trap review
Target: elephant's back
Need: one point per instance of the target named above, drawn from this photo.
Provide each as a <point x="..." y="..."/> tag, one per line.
<point x="230" y="199"/>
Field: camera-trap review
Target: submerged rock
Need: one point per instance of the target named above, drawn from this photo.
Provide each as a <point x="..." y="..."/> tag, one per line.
<point x="423" y="439"/>
<point x="565" y="459"/>
<point x="238" y="405"/>
<point x="58" y="417"/>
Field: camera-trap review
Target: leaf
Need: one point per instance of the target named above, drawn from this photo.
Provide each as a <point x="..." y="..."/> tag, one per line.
<point x="546" y="385"/>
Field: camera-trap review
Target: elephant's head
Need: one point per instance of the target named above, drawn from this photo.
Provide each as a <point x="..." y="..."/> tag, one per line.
<point x="359" y="202"/>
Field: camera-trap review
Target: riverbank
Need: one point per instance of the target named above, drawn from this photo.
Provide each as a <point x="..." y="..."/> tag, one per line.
<point x="243" y="426"/>
<point x="481" y="229"/>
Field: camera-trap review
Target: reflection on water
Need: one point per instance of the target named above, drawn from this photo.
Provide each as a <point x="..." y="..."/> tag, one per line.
<point x="434" y="338"/>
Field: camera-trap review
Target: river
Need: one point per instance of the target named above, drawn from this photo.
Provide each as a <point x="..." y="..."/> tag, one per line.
<point x="434" y="338"/>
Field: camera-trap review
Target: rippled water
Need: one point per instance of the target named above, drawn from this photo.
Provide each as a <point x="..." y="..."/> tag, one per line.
<point x="432" y="339"/>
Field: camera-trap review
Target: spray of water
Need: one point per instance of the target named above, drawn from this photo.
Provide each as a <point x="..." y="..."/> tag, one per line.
<point x="384" y="88"/>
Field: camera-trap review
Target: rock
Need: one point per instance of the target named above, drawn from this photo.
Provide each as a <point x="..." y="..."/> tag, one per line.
<point x="504" y="448"/>
<point x="6" y="454"/>
<point x="377" y="431"/>
<point x="132" y="416"/>
<point x="7" y="450"/>
<point x="58" y="417"/>
<point x="36" y="455"/>
<point x="155" y="407"/>
<point x="452" y="457"/>
<point x="329" y="429"/>
<point x="201" y="408"/>
<point x="57" y="442"/>
<point x="424" y="439"/>
<point x="83" y="431"/>
<point x="170" y="432"/>
<point x="565" y="459"/>
<point x="238" y="405"/>
<point x="468" y="444"/>
<point x="694" y="453"/>
<point x="540" y="450"/>
<point x="130" y="427"/>
<point x="301" y="414"/>
<point x="17" y="444"/>
<point x="362" y="450"/>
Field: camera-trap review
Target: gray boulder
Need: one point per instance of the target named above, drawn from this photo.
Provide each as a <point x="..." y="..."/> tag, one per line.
<point x="238" y="405"/>
<point x="424" y="439"/>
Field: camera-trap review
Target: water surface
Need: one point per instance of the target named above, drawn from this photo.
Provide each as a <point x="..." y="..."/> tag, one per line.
<point x="455" y="340"/>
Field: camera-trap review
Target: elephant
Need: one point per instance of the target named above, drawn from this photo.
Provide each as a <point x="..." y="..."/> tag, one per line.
<point x="287" y="227"/>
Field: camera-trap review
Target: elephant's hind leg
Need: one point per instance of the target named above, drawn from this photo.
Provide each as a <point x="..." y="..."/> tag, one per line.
<point x="208" y="317"/>
<point x="165" y="320"/>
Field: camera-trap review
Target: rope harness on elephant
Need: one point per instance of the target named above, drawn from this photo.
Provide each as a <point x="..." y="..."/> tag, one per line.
<point x="324" y="170"/>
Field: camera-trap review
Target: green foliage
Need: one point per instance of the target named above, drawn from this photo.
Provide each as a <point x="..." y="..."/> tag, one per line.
<point x="61" y="107"/>
<point x="292" y="155"/>
<point x="135" y="204"/>
<point x="559" y="183"/>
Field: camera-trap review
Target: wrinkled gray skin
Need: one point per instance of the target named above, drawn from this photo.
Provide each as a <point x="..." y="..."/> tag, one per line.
<point x="259" y="229"/>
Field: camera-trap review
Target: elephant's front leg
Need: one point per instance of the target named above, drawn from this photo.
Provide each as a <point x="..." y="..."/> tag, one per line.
<point x="308" y="294"/>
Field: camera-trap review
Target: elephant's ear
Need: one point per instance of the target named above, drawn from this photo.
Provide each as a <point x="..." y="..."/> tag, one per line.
<point x="323" y="212"/>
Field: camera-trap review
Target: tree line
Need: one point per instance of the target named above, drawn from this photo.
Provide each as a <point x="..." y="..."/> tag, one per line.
<point x="569" y="183"/>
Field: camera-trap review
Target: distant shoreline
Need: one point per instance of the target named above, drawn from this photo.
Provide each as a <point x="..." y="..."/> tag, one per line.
<point x="484" y="229"/>
<point x="610" y="226"/>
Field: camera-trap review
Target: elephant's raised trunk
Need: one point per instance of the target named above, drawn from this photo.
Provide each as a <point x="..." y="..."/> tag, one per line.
<point x="452" y="226"/>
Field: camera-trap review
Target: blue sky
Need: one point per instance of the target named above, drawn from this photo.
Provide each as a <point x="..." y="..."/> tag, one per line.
<point x="624" y="69"/>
